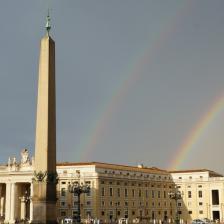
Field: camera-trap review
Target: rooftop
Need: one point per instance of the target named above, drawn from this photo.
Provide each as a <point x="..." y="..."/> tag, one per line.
<point x="116" y="167"/>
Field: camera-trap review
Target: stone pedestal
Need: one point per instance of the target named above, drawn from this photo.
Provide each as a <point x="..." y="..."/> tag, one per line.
<point x="44" y="203"/>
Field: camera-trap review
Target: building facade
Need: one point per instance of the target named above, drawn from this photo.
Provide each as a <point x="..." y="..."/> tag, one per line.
<point x="117" y="191"/>
<point x="202" y="194"/>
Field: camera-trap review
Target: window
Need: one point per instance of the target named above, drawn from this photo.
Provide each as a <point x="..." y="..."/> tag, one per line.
<point x="63" y="192"/>
<point x="179" y="204"/>
<point x="126" y="192"/>
<point x="153" y="194"/>
<point x="126" y="203"/>
<point x="111" y="203"/>
<point x="63" y="203"/>
<point x="180" y="178"/>
<point x="190" y="177"/>
<point x="139" y="193"/>
<point x="200" y="194"/>
<point x="102" y="191"/>
<point x="200" y="212"/>
<point x="63" y="182"/>
<point x="164" y="194"/>
<point x="158" y="194"/>
<point x="102" y="213"/>
<point x="189" y="194"/>
<point x="200" y="203"/>
<point x="200" y="186"/>
<point x="88" y="203"/>
<point x="153" y="214"/>
<point x="74" y="213"/>
<point x="75" y="203"/>
<point x="133" y="192"/>
<point x="215" y="197"/>
<point x="103" y="203"/>
<point x="126" y="214"/>
<point x="190" y="212"/>
<point x="111" y="191"/>
<point x="179" y="212"/>
<point x="63" y="213"/>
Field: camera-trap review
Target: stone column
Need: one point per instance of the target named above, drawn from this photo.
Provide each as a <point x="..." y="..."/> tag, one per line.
<point x="31" y="203"/>
<point x="8" y="202"/>
<point x="12" y="204"/>
<point x="2" y="206"/>
<point x="23" y="207"/>
<point x="0" y="198"/>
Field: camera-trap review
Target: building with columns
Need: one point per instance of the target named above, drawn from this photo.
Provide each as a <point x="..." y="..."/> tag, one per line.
<point x="117" y="191"/>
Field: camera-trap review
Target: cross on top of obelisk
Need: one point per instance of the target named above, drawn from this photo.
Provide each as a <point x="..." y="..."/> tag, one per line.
<point x="48" y="25"/>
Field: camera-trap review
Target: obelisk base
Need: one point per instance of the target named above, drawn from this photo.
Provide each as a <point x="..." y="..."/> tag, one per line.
<point x="44" y="203"/>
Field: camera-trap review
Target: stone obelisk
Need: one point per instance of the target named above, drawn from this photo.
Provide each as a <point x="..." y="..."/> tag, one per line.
<point x="45" y="176"/>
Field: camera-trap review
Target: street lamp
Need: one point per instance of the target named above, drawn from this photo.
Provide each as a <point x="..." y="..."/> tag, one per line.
<point x="176" y="195"/>
<point x="77" y="189"/>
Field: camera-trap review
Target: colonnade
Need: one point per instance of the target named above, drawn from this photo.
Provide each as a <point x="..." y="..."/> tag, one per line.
<point x="16" y="201"/>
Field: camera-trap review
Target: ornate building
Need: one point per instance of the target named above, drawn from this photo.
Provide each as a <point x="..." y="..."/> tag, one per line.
<point x="117" y="191"/>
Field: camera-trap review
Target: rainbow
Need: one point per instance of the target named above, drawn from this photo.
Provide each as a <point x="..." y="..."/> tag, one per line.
<point x="196" y="133"/>
<point x="131" y="74"/>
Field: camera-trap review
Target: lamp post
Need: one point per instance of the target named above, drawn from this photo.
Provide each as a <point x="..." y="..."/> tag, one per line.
<point x="77" y="189"/>
<point x="176" y="195"/>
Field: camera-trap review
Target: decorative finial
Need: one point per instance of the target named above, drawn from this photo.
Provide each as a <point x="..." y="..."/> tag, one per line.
<point x="48" y="25"/>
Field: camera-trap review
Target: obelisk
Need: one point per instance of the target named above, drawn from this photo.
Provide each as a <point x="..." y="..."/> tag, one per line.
<point x="45" y="176"/>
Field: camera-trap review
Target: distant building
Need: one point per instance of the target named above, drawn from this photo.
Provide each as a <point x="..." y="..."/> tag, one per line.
<point x="203" y="194"/>
<point x="117" y="191"/>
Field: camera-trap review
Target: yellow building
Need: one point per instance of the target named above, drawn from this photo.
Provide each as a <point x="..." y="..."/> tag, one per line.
<point x="202" y="194"/>
<point x="117" y="191"/>
<point x="139" y="192"/>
